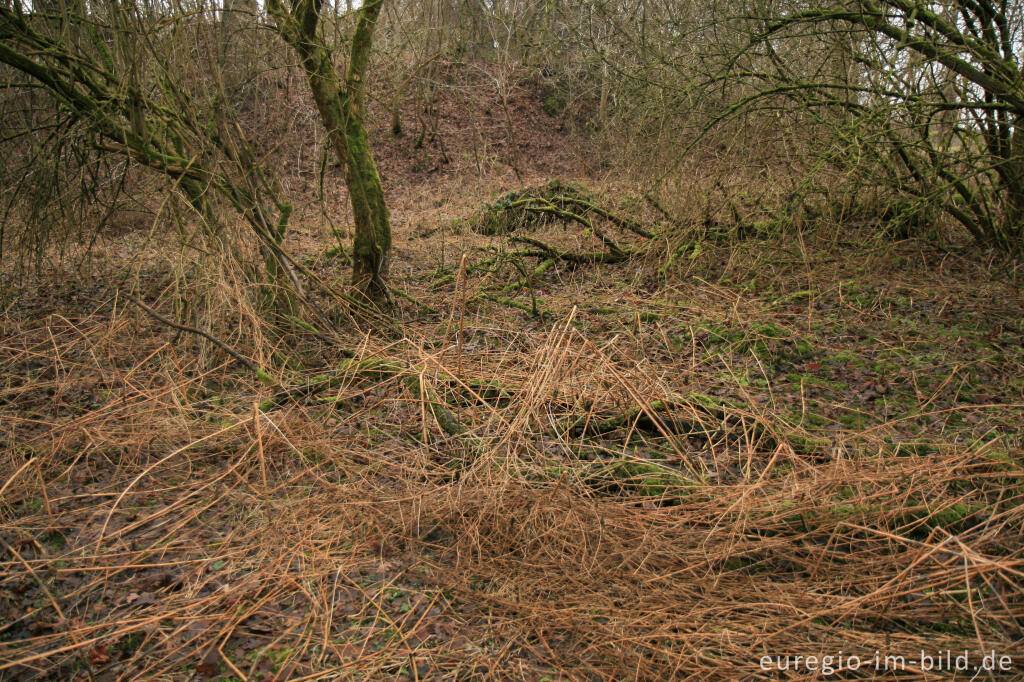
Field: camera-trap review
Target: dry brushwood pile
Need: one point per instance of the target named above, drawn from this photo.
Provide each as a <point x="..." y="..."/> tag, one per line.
<point x="654" y="481"/>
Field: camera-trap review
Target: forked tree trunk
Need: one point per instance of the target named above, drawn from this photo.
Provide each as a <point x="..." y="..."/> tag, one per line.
<point x="342" y="107"/>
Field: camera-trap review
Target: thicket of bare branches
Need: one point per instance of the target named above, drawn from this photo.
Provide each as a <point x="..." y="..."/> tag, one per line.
<point x="902" y="113"/>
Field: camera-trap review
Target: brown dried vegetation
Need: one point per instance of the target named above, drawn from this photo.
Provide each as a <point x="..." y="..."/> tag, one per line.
<point x="667" y="475"/>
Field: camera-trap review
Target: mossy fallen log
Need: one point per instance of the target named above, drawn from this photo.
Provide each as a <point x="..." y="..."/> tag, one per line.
<point x="668" y="416"/>
<point x="532" y="308"/>
<point x="572" y="256"/>
<point x="556" y="201"/>
<point x="645" y="478"/>
<point x="382" y="369"/>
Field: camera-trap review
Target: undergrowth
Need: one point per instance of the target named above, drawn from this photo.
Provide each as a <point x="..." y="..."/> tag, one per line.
<point x="667" y="474"/>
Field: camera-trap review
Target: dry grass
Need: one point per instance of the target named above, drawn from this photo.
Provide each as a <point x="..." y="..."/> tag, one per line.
<point x="639" y="492"/>
<point x="714" y="451"/>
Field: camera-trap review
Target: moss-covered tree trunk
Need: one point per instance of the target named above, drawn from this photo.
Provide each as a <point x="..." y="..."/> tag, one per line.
<point x="341" y="105"/>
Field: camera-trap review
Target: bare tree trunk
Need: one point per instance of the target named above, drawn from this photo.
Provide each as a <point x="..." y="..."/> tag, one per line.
<point x="342" y="107"/>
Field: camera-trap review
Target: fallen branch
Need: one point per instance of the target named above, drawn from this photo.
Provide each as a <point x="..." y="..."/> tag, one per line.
<point x="532" y="309"/>
<point x="571" y="257"/>
<point x="663" y="417"/>
<point x="368" y="367"/>
<point x="260" y="373"/>
<point x="544" y="206"/>
<point x="617" y="220"/>
<point x="543" y="267"/>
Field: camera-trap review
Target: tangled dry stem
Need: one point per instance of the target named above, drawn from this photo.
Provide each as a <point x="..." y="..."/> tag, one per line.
<point x="161" y="529"/>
